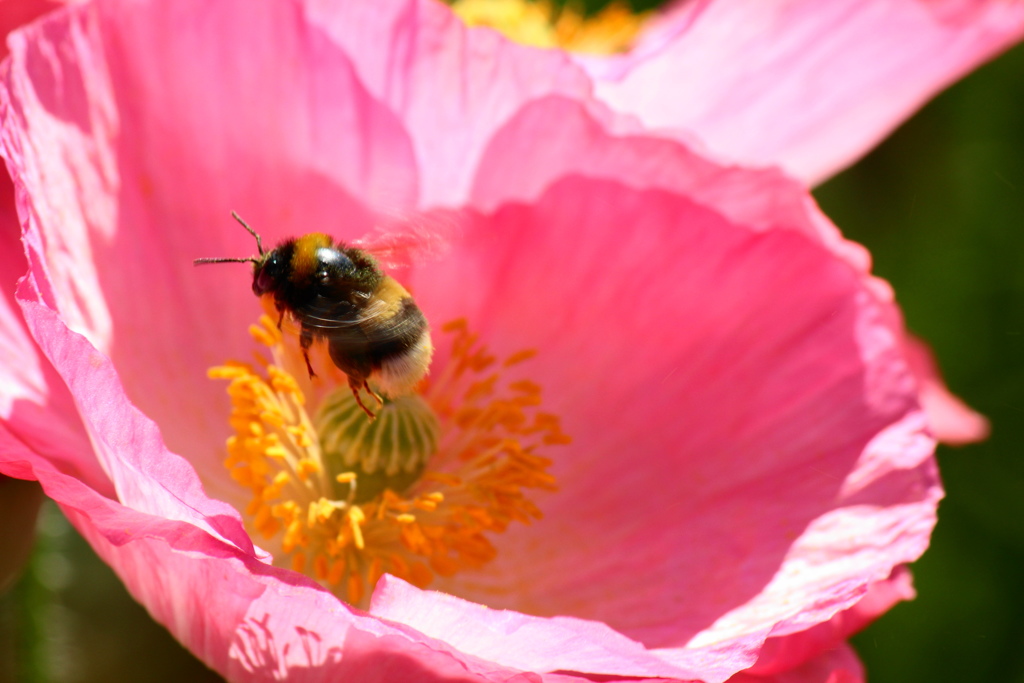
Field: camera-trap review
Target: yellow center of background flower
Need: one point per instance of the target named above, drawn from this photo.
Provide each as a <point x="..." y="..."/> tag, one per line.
<point x="412" y="493"/>
<point x="541" y="23"/>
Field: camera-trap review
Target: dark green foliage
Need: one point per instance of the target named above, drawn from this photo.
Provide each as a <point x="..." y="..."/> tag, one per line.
<point x="941" y="206"/>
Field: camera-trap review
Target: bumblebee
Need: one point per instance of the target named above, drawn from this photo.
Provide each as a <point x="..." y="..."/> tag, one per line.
<point x="339" y="294"/>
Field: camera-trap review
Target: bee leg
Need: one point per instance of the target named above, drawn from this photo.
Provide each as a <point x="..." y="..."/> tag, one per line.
<point x="309" y="368"/>
<point x="356" y="386"/>
<point x="371" y="392"/>
<point x="305" y="341"/>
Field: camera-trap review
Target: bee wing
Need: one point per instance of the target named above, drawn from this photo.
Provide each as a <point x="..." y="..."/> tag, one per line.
<point x="326" y="316"/>
<point x="394" y="250"/>
<point x="400" y="242"/>
<point x="339" y="322"/>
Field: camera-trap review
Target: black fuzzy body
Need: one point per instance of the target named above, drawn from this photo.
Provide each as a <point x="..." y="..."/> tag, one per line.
<point x="340" y="295"/>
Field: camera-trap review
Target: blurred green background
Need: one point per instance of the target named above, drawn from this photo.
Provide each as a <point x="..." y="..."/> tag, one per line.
<point x="940" y="204"/>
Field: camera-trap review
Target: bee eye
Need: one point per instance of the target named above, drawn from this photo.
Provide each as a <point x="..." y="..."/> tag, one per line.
<point x="263" y="282"/>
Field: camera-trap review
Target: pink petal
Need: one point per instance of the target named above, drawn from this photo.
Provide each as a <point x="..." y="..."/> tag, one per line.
<point x="19" y="12"/>
<point x="770" y="389"/>
<point x="951" y="420"/>
<point x="837" y="665"/>
<point x="582" y="139"/>
<point x="27" y="401"/>
<point x="786" y="653"/>
<point x="542" y="644"/>
<point x="146" y="476"/>
<point x="437" y="75"/>
<point x="807" y="85"/>
<point x="34" y="403"/>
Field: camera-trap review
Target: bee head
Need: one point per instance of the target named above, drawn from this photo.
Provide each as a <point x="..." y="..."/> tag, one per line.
<point x="270" y="271"/>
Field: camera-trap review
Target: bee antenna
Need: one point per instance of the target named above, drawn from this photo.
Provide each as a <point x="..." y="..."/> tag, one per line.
<point x="259" y="242"/>
<point x="201" y="261"/>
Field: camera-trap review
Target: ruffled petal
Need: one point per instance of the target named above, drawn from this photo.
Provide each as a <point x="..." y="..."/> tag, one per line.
<point x="146" y="476"/>
<point x="809" y="86"/>
<point x="539" y="644"/>
<point x="786" y="653"/>
<point x="30" y="403"/>
<point x="34" y="403"/>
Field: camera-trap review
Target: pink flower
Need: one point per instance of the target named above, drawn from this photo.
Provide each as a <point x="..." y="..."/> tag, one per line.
<point x="749" y="466"/>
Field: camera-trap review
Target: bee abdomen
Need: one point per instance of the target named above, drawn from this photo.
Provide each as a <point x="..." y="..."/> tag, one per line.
<point x="401" y="356"/>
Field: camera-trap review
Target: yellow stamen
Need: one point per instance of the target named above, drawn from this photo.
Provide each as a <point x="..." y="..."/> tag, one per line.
<point x="415" y="493"/>
<point x="541" y="24"/>
<point x="355" y="521"/>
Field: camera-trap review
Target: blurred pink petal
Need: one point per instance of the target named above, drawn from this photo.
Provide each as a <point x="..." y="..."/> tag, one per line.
<point x="838" y="664"/>
<point x="749" y="457"/>
<point x="952" y="421"/>
<point x="19" y="12"/>
<point x="807" y="85"/>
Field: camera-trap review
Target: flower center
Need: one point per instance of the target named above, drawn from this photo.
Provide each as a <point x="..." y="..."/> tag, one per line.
<point x="540" y="24"/>
<point x="413" y="493"/>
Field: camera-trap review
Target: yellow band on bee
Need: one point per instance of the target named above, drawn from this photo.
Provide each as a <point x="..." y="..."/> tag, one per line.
<point x="304" y="259"/>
